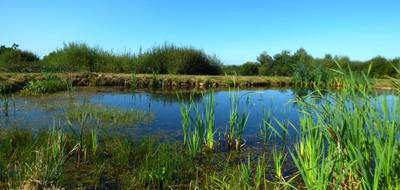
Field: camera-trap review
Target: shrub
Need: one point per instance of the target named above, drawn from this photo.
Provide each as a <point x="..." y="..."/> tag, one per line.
<point x="249" y="68"/>
<point x="161" y="60"/>
<point x="177" y="60"/>
<point x="311" y="74"/>
<point x="13" y="59"/>
<point x="82" y="57"/>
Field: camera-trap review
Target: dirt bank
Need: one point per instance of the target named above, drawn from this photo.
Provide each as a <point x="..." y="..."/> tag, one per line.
<point x="16" y="81"/>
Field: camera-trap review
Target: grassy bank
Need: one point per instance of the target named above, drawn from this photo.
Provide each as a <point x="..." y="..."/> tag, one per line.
<point x="17" y="81"/>
<point x="141" y="81"/>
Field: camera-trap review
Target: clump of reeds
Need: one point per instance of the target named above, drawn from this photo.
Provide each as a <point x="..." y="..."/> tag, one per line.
<point x="350" y="141"/>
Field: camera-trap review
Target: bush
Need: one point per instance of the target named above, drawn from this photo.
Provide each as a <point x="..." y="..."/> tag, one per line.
<point x="231" y="69"/>
<point x="311" y="74"/>
<point x="249" y="68"/>
<point x="82" y="57"/>
<point x="13" y="59"/>
<point x="177" y="60"/>
<point x="50" y="84"/>
<point x="161" y="60"/>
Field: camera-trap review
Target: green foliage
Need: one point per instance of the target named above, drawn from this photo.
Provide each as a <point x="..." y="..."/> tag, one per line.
<point x="311" y="75"/>
<point x="349" y="140"/>
<point x="249" y="68"/>
<point x="49" y="84"/>
<point x="231" y="69"/>
<point x="177" y="60"/>
<point x="166" y="59"/>
<point x="13" y="59"/>
<point x="82" y="57"/>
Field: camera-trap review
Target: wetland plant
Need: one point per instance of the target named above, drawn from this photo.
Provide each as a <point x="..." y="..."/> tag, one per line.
<point x="266" y="128"/>
<point x="350" y="140"/>
<point x="279" y="157"/>
<point x="237" y="123"/>
<point x="50" y="84"/>
<point x="185" y="114"/>
<point x="210" y="121"/>
<point x="233" y="117"/>
<point x="5" y="104"/>
<point x="260" y="178"/>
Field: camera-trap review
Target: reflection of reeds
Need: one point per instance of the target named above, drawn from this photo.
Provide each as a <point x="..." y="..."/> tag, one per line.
<point x="5" y="104"/>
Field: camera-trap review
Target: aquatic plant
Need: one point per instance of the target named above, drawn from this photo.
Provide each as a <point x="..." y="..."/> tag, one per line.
<point x="237" y="123"/>
<point x="279" y="157"/>
<point x="260" y="178"/>
<point x="233" y="117"/>
<point x="48" y="167"/>
<point x="245" y="177"/>
<point x="185" y="114"/>
<point x="350" y="140"/>
<point x="266" y="128"/>
<point x="210" y="120"/>
<point x="195" y="141"/>
<point x="105" y="116"/>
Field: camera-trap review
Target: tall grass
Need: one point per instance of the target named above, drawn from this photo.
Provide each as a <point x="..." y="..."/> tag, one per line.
<point x="185" y="114"/>
<point x="50" y="84"/>
<point x="210" y="121"/>
<point x="350" y="141"/>
<point x="237" y="123"/>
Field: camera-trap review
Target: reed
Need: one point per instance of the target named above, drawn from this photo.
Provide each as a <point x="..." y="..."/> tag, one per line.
<point x="233" y="117"/>
<point x="185" y="114"/>
<point x="210" y="121"/>
<point x="266" y="128"/>
<point x="350" y="140"/>
<point x="237" y="123"/>
<point x="260" y="171"/>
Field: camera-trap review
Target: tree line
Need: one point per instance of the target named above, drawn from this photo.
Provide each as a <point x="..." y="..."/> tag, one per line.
<point x="171" y="59"/>
<point x="300" y="61"/>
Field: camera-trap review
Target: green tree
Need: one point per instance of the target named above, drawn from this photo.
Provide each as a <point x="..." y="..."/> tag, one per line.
<point x="249" y="68"/>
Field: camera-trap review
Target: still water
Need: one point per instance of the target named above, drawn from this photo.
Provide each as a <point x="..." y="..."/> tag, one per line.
<point x="42" y="112"/>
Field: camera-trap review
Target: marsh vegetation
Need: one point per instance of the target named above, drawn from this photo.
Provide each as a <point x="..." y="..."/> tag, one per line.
<point x="335" y="132"/>
<point x="345" y="139"/>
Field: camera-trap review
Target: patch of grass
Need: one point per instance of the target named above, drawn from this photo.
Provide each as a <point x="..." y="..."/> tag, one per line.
<point x="106" y="116"/>
<point x="49" y="84"/>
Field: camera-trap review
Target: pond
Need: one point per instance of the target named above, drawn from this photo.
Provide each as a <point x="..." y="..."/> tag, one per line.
<point x="161" y="110"/>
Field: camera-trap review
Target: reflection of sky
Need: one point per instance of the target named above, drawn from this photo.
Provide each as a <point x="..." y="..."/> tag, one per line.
<point x="168" y="115"/>
<point x="35" y="112"/>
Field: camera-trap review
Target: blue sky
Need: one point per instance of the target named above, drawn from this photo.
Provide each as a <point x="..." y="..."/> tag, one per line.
<point x="235" y="30"/>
